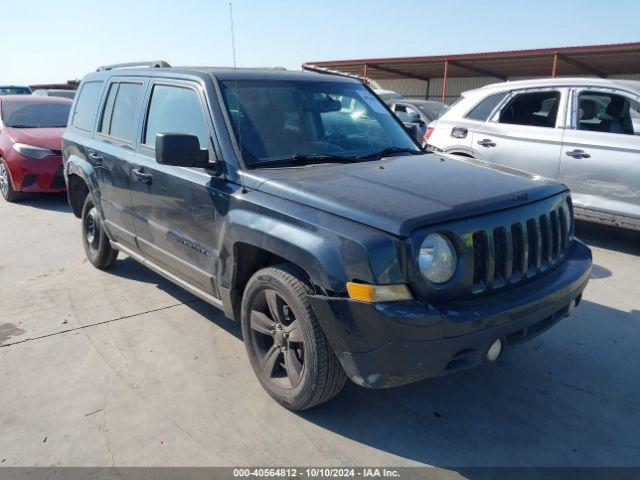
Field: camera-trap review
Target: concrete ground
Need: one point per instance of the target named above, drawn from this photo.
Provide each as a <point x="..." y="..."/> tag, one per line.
<point x="122" y="368"/>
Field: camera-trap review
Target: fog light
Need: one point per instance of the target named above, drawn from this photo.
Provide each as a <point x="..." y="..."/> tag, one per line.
<point x="494" y="350"/>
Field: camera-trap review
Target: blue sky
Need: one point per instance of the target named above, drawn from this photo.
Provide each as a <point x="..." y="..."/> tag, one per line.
<point x="56" y="40"/>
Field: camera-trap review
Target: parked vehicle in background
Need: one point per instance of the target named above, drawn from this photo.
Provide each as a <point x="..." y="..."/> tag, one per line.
<point x="416" y="114"/>
<point x="298" y="204"/>
<point x="31" y="131"/>
<point x="55" y="92"/>
<point x="387" y="95"/>
<point x="14" y="90"/>
<point x="584" y="132"/>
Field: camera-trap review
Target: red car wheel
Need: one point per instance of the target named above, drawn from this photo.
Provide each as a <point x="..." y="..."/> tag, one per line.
<point x="6" y="188"/>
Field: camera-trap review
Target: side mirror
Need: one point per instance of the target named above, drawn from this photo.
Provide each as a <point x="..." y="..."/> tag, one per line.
<point x="180" y="150"/>
<point x="415" y="130"/>
<point x="415" y="118"/>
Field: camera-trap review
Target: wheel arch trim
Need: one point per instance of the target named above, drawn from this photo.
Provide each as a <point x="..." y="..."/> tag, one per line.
<point x="82" y="169"/>
<point x="315" y="255"/>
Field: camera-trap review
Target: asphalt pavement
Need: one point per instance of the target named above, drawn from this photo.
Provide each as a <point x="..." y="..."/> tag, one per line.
<point x="123" y="368"/>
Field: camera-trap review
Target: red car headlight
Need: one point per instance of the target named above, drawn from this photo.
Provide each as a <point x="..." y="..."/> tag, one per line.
<point x="32" y="151"/>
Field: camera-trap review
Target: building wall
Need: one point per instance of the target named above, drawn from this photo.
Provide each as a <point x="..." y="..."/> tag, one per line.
<point x="432" y="89"/>
<point x="70" y="85"/>
<point x="406" y="86"/>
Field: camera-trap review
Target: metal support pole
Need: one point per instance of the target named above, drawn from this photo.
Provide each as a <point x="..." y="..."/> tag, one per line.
<point x="365" y="74"/>
<point x="554" y="69"/>
<point x="444" y="80"/>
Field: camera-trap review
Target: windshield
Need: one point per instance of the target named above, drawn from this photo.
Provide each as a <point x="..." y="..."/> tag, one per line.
<point x="388" y="96"/>
<point x="19" y="114"/>
<point x="295" y="120"/>
<point x="56" y="93"/>
<point x="15" y="91"/>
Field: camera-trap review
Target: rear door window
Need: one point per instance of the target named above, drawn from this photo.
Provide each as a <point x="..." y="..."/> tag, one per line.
<point x="535" y="109"/>
<point x="84" y="113"/>
<point x="177" y="110"/>
<point x="121" y="108"/>
<point x="483" y="109"/>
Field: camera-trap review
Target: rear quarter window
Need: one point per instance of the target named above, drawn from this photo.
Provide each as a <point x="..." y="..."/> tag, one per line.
<point x="86" y="108"/>
<point x="483" y="109"/>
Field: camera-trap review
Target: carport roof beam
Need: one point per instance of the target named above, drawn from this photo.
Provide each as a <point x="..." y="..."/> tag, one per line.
<point x="481" y="71"/>
<point x="395" y="71"/>
<point x="581" y="65"/>
<point x="600" y="60"/>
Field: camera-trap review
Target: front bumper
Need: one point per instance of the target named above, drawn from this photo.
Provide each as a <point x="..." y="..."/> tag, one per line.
<point x="36" y="175"/>
<point x="388" y="344"/>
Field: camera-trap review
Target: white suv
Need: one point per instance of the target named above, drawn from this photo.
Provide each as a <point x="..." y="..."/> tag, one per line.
<point x="584" y="132"/>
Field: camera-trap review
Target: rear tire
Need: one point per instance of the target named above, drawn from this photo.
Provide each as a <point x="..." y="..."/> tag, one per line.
<point x="94" y="239"/>
<point x="287" y="348"/>
<point x="6" y="187"/>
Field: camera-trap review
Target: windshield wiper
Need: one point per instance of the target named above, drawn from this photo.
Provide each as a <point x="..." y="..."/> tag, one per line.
<point x="389" y="151"/>
<point x="22" y="126"/>
<point x="299" y="159"/>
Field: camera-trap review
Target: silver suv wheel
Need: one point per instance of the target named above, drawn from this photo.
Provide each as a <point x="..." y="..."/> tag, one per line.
<point x="4" y="180"/>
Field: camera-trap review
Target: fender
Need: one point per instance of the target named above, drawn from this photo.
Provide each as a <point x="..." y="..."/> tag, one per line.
<point x="460" y="151"/>
<point x="76" y="164"/>
<point x="332" y="251"/>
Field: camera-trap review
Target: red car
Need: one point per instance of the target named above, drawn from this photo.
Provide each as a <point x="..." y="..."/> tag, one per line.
<point x="31" y="131"/>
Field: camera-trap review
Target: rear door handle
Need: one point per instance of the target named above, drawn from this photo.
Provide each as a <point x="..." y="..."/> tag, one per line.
<point x="486" y="143"/>
<point x="96" y="158"/>
<point x="145" y="178"/>
<point x="578" y="154"/>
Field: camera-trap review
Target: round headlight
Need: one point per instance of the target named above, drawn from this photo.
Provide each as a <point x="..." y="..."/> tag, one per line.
<point x="437" y="259"/>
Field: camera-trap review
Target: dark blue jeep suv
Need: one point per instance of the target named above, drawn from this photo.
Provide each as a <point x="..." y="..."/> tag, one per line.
<point x="299" y="204"/>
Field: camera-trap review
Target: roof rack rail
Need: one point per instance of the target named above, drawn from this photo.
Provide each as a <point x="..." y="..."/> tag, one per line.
<point x="152" y="64"/>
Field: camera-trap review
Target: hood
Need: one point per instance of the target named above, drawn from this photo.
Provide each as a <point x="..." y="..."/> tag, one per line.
<point x="50" y="138"/>
<point x="399" y="194"/>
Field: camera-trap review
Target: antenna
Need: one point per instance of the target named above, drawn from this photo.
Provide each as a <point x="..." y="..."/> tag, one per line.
<point x="235" y="68"/>
<point x="233" y="36"/>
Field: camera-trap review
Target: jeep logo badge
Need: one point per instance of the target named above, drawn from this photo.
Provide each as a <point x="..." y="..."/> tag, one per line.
<point x="520" y="196"/>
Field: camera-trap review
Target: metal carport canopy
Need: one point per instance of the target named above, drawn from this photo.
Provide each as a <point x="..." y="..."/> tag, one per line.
<point x="598" y="60"/>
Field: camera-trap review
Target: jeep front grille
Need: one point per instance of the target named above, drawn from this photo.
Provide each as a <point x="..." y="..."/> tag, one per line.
<point x="508" y="254"/>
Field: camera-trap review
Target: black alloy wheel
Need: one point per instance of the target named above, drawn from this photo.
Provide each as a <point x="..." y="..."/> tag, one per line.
<point x="287" y="348"/>
<point x="277" y="340"/>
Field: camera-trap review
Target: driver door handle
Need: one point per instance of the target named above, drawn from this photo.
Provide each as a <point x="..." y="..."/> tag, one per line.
<point x="578" y="154"/>
<point x="145" y="178"/>
<point x="486" y="143"/>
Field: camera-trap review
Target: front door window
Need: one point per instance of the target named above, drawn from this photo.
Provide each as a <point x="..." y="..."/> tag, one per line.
<point x="608" y="113"/>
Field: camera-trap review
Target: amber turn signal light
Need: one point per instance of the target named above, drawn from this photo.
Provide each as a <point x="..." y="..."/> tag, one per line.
<point x="378" y="293"/>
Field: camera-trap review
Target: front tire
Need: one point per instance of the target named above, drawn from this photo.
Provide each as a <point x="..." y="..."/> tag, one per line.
<point x="287" y="348"/>
<point x="6" y="187"/>
<point x="94" y="239"/>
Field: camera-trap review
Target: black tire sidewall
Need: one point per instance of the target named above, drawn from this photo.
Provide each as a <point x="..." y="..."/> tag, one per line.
<point x="100" y="257"/>
<point x="302" y="393"/>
